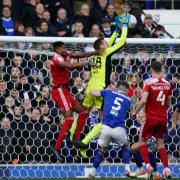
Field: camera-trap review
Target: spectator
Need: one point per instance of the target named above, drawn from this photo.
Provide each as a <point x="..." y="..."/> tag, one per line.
<point x="26" y="104"/>
<point x="15" y="94"/>
<point x="78" y="29"/>
<point x="7" y="26"/>
<point x="127" y="67"/>
<point x="43" y="29"/>
<point x="148" y="28"/>
<point x="113" y="79"/>
<point x="19" y="127"/>
<point x="17" y="61"/>
<point x="46" y="72"/>
<point x="29" y="11"/>
<point x="4" y="93"/>
<point x="38" y="134"/>
<point x="97" y="12"/>
<point x="16" y="8"/>
<point x="95" y="31"/>
<point x="14" y="77"/>
<point x="78" y="89"/>
<point x="63" y="23"/>
<point x="47" y="16"/>
<point x="159" y="32"/>
<point x="85" y="77"/>
<point x="111" y="14"/>
<point x="27" y="45"/>
<point x="44" y="94"/>
<point x="2" y="69"/>
<point x="24" y="88"/>
<point x="6" y="141"/>
<point x="36" y="79"/>
<point x="19" y="29"/>
<point x="39" y="9"/>
<point x="55" y="5"/>
<point x="7" y="108"/>
<point x="107" y="30"/>
<point x="85" y="18"/>
<point x="133" y="80"/>
<point x="46" y="113"/>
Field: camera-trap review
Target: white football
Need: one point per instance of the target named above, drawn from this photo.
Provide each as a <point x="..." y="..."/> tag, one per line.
<point x="132" y="21"/>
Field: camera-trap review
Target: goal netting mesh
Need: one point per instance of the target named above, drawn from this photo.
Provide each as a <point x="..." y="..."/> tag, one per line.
<point x="30" y="121"/>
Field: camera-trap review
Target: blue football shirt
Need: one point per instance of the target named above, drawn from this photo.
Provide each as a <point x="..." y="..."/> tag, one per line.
<point x="116" y="106"/>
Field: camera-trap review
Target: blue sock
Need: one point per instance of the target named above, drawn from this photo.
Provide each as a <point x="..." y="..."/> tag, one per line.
<point x="125" y="155"/>
<point x="138" y="159"/>
<point x="152" y="157"/>
<point x="98" y="159"/>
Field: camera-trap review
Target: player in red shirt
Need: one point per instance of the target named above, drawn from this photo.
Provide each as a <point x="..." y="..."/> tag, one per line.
<point x="60" y="70"/>
<point x="157" y="98"/>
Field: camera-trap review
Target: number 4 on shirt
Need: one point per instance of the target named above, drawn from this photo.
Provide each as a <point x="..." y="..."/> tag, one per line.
<point x="161" y="98"/>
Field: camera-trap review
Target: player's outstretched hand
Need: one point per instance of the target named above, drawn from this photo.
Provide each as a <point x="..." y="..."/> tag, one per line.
<point x="92" y="64"/>
<point x="100" y="51"/>
<point x="125" y="18"/>
<point x="133" y="115"/>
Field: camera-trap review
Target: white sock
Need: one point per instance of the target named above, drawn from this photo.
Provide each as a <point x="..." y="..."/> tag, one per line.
<point x="127" y="167"/>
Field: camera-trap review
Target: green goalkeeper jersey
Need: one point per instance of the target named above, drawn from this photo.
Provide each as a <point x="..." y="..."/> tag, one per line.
<point x="101" y="73"/>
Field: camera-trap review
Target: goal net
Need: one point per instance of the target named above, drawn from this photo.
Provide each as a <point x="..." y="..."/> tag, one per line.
<point x="30" y="120"/>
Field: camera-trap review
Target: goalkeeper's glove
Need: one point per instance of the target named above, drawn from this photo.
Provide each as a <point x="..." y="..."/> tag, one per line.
<point x="125" y="18"/>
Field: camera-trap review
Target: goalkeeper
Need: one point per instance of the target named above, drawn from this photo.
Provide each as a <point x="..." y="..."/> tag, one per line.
<point x="100" y="74"/>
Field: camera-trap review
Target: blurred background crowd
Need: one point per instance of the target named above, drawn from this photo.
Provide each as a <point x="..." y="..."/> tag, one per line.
<point x="76" y="18"/>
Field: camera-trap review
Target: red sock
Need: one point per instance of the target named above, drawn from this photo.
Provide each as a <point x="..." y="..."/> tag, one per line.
<point x="63" y="132"/>
<point x="163" y="156"/>
<point x="144" y="153"/>
<point x="80" y="124"/>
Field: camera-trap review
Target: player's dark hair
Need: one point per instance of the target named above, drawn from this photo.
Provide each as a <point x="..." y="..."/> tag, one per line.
<point x="57" y="45"/>
<point x="97" y="43"/>
<point x="156" y="66"/>
<point x="122" y="83"/>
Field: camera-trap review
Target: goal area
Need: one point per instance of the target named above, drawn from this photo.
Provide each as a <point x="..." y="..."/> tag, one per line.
<point x="30" y="120"/>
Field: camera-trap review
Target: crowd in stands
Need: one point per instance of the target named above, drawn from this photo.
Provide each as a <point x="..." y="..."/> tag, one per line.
<point x="71" y="18"/>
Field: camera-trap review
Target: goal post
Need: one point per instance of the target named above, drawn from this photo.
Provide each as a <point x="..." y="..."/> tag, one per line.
<point x="34" y="120"/>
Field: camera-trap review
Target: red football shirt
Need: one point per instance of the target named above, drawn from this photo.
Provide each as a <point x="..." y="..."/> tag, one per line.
<point x="156" y="106"/>
<point x="60" y="75"/>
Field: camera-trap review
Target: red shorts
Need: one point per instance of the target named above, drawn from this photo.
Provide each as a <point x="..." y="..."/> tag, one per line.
<point x="64" y="99"/>
<point x="153" y="128"/>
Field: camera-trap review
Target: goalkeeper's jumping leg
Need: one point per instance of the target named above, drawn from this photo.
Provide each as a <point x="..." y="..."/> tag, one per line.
<point x="92" y="134"/>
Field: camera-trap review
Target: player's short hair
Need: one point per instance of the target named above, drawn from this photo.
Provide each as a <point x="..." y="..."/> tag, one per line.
<point x="156" y="66"/>
<point x="122" y="83"/>
<point x="57" y="45"/>
<point x="97" y="43"/>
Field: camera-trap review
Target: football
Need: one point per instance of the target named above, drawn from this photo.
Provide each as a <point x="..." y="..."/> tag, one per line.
<point x="132" y="21"/>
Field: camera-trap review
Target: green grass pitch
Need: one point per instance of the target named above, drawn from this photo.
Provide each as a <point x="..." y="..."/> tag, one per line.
<point x="86" y="179"/>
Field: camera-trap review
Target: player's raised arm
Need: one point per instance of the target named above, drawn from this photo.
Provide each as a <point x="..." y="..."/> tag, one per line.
<point x="74" y="65"/>
<point x="124" y="23"/>
<point x="86" y="54"/>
